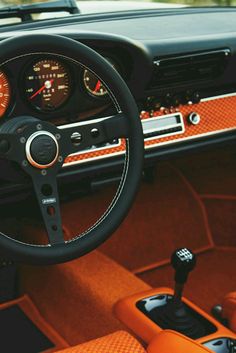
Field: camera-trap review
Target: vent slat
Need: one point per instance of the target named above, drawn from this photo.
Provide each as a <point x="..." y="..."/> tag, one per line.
<point x="189" y="68"/>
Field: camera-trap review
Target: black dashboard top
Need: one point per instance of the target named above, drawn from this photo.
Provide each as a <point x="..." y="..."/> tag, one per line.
<point x="155" y="33"/>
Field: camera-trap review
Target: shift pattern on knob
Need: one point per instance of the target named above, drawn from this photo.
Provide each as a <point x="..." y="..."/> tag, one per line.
<point x="184" y="254"/>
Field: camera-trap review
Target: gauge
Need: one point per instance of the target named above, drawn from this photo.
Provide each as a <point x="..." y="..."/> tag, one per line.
<point x="47" y="84"/>
<point x="5" y="93"/>
<point x="92" y="83"/>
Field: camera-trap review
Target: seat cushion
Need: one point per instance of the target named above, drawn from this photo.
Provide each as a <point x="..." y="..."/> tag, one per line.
<point x="118" y="342"/>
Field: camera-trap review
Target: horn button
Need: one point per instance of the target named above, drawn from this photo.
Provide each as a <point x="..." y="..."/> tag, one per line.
<point x="42" y="149"/>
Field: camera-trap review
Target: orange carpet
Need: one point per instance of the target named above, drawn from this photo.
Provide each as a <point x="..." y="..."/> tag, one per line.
<point x="213" y="277"/>
<point x="77" y="298"/>
<point x="167" y="214"/>
<point x="213" y="176"/>
<point x="212" y="172"/>
<point x="221" y="213"/>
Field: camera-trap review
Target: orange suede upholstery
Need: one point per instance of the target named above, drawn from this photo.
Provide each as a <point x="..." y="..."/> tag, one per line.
<point x="229" y="309"/>
<point x="118" y="342"/>
<point x="173" y="342"/>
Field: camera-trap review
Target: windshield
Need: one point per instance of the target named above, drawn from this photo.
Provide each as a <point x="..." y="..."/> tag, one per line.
<point x="13" y="11"/>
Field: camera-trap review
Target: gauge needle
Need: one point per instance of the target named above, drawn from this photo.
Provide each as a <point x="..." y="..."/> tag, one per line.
<point x="97" y="87"/>
<point x="47" y="84"/>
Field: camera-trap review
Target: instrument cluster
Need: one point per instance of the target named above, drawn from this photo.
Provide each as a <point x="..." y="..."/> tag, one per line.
<point x="49" y="87"/>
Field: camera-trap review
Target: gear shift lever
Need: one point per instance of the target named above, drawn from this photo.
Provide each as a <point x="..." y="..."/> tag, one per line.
<point x="176" y="315"/>
<point x="183" y="261"/>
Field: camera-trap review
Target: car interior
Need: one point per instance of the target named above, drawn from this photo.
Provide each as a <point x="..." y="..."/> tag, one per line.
<point x="118" y="180"/>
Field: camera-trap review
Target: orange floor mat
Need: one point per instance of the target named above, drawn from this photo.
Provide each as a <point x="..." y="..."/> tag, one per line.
<point x="77" y="297"/>
<point x="31" y="312"/>
<point x="213" y="277"/>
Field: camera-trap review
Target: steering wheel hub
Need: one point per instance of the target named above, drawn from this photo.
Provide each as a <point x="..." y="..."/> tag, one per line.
<point x="42" y="149"/>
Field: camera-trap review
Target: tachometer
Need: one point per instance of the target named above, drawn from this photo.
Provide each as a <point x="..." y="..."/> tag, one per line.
<point x="47" y="84"/>
<point x="5" y="93"/>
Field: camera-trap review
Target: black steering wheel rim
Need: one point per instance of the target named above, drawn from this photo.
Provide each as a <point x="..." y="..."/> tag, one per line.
<point x="124" y="101"/>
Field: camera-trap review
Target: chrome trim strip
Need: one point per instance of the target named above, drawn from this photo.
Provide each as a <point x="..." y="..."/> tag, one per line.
<point x="218" y="97"/>
<point x="81" y="123"/>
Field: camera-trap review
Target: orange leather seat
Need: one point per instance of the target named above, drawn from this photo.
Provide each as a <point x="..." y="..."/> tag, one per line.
<point x="121" y="342"/>
<point x="229" y="310"/>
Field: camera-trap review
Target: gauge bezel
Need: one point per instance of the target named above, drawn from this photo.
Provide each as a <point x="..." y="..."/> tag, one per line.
<point x="91" y="94"/>
<point x="29" y="66"/>
<point x="12" y="94"/>
<point x="88" y="93"/>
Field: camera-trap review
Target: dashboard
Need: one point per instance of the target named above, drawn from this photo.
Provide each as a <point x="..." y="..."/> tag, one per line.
<point x="184" y="82"/>
<point x="50" y="88"/>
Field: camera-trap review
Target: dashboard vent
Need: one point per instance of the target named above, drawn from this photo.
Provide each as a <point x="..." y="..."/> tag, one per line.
<point x="189" y="68"/>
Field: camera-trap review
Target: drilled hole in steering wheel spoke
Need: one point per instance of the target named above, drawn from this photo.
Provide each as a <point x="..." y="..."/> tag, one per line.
<point x="54" y="227"/>
<point x="51" y="211"/>
<point x="46" y="190"/>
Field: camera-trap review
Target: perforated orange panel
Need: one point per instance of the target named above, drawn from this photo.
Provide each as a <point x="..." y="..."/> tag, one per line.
<point x="119" y="342"/>
<point x="217" y="115"/>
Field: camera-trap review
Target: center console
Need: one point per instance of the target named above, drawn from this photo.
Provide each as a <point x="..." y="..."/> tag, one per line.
<point x="148" y="313"/>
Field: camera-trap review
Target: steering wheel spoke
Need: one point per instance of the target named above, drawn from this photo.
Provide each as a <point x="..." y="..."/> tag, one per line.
<point x="80" y="136"/>
<point x="11" y="147"/>
<point x="46" y="191"/>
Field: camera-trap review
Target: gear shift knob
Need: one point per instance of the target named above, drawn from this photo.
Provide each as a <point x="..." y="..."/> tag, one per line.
<point x="183" y="261"/>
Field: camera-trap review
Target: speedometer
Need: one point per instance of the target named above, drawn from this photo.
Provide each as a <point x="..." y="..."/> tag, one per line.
<point x="47" y="84"/>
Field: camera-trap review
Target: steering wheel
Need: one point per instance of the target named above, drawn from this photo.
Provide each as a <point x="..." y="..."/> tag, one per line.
<point x="40" y="148"/>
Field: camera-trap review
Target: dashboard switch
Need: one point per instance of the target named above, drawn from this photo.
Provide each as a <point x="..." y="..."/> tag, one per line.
<point x="194" y="118"/>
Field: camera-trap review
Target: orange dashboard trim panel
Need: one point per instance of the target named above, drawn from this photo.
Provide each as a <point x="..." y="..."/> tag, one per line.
<point x="127" y="312"/>
<point x="218" y="115"/>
